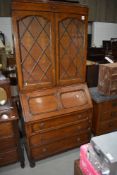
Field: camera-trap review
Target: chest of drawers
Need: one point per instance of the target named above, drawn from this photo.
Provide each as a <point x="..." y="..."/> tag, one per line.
<point x="104" y="112"/>
<point x="10" y="146"/>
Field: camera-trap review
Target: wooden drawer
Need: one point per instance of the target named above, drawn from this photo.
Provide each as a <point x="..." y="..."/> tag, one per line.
<point x="9" y="157"/>
<point x="59" y="146"/>
<point x="6" y="129"/>
<point x="59" y="133"/>
<point x="112" y="115"/>
<point x="59" y="121"/>
<point x="7" y="144"/>
<point x="108" y="106"/>
<point x="109" y="126"/>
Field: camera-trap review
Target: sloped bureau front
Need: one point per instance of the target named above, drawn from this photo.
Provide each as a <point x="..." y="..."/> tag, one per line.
<point x="55" y="101"/>
<point x="43" y="104"/>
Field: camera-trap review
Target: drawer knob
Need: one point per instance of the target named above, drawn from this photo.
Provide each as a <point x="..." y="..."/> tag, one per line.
<point x="42" y="124"/>
<point x="79" y="116"/>
<point x="44" y="150"/>
<point x="79" y="127"/>
<point x="78" y="139"/>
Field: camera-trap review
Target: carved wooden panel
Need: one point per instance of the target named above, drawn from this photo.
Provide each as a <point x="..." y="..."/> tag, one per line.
<point x="71" y="44"/>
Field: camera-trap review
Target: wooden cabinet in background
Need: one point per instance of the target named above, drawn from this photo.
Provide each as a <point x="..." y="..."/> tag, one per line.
<point x="77" y="170"/>
<point x="11" y="149"/>
<point x="50" y="43"/>
<point x="10" y="145"/>
<point x="104" y="112"/>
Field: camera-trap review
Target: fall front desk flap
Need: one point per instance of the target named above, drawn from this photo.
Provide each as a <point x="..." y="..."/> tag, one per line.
<point x="55" y="101"/>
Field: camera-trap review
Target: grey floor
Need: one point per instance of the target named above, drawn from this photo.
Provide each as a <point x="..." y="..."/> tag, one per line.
<point x="61" y="164"/>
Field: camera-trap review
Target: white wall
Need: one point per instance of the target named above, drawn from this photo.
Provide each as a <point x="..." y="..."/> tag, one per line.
<point x="103" y="31"/>
<point x="5" y="27"/>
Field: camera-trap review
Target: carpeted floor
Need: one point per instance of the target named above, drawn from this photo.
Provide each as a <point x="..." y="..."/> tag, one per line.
<point x="61" y="164"/>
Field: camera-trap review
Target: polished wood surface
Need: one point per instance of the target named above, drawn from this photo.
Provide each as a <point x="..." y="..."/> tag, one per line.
<point x="50" y="42"/>
<point x="55" y="101"/>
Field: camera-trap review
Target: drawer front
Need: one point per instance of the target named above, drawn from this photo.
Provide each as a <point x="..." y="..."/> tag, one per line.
<point x="6" y="129"/>
<point x="59" y="146"/>
<point x="108" y="126"/>
<point x="9" y="157"/>
<point x="57" y="134"/>
<point x="61" y="120"/>
<point x="108" y="106"/>
<point x="7" y="144"/>
<point x="111" y="115"/>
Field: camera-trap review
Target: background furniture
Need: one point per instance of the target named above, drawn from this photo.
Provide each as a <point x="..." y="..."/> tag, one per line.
<point x="51" y="62"/>
<point x="77" y="170"/>
<point x="11" y="149"/>
<point x="104" y="112"/>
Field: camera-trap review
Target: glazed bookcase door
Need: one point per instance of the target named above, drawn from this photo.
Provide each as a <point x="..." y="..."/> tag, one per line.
<point x="71" y="48"/>
<point x="34" y="38"/>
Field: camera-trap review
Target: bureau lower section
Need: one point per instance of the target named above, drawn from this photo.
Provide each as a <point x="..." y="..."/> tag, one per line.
<point x="57" y="134"/>
<point x="39" y="152"/>
<point x="56" y="119"/>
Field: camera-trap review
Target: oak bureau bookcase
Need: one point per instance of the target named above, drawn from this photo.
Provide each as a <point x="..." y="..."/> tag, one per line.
<point x="50" y="43"/>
